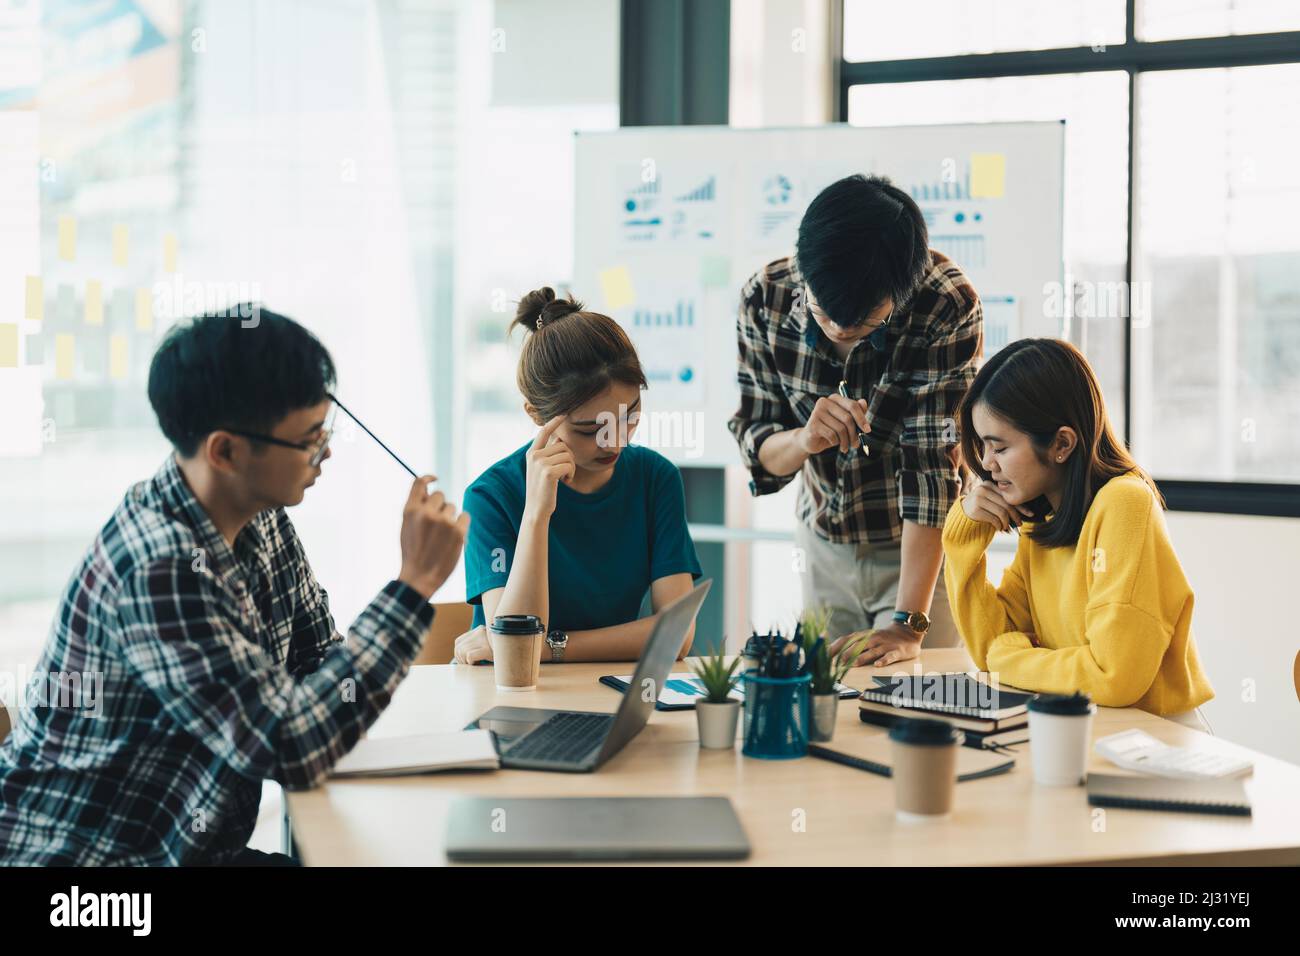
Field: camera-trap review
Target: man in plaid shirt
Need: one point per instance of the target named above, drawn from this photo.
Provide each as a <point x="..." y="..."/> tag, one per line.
<point x="866" y="302"/>
<point x="197" y="615"/>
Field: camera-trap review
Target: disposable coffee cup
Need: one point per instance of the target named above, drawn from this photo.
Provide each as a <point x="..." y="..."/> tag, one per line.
<point x="1060" y="732"/>
<point x="516" y="650"/>
<point x="925" y="768"/>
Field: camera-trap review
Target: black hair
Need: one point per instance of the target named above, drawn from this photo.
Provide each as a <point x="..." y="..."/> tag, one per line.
<point x="1039" y="386"/>
<point x="861" y="242"/>
<point x="228" y="371"/>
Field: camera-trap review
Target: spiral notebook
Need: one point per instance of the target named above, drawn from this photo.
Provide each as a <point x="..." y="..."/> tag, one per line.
<point x="957" y="694"/>
<point x="1226" y="796"/>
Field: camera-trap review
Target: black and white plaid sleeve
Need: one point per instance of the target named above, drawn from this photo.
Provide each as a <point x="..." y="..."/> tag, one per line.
<point x="183" y="636"/>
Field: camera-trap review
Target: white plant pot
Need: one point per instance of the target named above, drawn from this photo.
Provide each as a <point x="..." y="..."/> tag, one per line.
<point x="717" y="724"/>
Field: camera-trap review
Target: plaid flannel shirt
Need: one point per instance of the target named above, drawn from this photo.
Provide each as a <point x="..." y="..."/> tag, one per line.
<point x="913" y="372"/>
<point x="217" y="668"/>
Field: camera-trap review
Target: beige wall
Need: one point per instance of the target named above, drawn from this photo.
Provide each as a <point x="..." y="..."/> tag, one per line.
<point x="1243" y="571"/>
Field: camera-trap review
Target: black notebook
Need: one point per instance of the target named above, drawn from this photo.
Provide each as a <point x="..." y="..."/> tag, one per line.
<point x="1162" y="793"/>
<point x="960" y="694"/>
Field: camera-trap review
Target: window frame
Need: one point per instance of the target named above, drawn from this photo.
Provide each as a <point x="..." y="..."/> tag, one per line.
<point x="1134" y="57"/>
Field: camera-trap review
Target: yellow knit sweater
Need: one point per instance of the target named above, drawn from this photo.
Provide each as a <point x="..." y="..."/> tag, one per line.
<point x="1112" y="615"/>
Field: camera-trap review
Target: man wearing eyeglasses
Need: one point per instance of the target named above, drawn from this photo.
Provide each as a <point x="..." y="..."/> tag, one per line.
<point x="854" y="354"/>
<point x="198" y="619"/>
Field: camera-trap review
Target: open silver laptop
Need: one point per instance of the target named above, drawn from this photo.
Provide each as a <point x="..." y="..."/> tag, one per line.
<point x="576" y="741"/>
<point x="594" y="828"/>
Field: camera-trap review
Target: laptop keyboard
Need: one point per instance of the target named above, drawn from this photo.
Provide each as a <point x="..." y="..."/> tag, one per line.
<point x="564" y="738"/>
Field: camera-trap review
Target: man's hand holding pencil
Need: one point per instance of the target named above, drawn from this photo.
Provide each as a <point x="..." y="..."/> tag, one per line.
<point x="836" y="420"/>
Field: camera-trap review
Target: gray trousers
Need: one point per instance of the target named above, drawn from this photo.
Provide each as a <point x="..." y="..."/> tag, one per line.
<point x="858" y="584"/>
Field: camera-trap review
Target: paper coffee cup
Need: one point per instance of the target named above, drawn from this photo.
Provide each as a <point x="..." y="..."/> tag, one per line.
<point x="1060" y="733"/>
<point x="516" y="650"/>
<point x="925" y="768"/>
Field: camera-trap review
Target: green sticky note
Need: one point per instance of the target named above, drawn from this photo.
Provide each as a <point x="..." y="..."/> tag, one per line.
<point x="715" y="271"/>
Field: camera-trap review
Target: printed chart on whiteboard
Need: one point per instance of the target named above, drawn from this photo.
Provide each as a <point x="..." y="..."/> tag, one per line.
<point x="671" y="222"/>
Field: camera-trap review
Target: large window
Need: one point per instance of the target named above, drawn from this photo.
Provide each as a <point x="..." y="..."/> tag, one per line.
<point x="1216" y="369"/>
<point x="391" y="174"/>
<point x="1181" y="130"/>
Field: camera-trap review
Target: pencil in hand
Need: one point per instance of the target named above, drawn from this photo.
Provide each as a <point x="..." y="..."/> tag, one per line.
<point x="862" y="437"/>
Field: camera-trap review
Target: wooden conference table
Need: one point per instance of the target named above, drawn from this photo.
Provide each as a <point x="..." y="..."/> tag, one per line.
<point x="847" y="814"/>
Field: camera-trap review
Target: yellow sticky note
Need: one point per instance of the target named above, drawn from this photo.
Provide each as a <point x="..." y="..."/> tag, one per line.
<point x="117" y="356"/>
<point x="63" y="352"/>
<point x="35" y="307"/>
<point x="67" y="238"/>
<point x="121" y="245"/>
<point x="143" y="310"/>
<point x="94" y="302"/>
<point x="988" y="174"/>
<point x="169" y="252"/>
<point x="617" y="286"/>
<point x="9" y="345"/>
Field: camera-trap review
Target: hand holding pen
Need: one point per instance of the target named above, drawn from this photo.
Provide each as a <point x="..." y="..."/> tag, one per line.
<point x="862" y="423"/>
<point x="836" y="420"/>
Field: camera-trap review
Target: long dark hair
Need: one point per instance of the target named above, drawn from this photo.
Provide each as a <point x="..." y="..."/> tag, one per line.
<point x="570" y="355"/>
<point x="1038" y="386"/>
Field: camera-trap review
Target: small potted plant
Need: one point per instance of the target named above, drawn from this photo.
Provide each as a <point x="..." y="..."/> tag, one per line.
<point x="827" y="671"/>
<point x="717" y="712"/>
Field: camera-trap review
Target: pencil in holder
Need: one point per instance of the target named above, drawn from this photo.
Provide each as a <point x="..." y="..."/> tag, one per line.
<point x="776" y="716"/>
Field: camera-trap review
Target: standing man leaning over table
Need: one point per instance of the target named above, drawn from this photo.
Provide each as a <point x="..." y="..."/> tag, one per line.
<point x="864" y="300"/>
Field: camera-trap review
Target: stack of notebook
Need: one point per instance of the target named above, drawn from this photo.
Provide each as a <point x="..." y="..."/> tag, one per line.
<point x="988" y="716"/>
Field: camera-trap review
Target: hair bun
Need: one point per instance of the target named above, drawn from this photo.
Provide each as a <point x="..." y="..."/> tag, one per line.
<point x="540" y="307"/>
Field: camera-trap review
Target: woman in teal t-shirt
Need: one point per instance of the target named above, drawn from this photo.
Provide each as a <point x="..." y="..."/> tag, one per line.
<point x="577" y="525"/>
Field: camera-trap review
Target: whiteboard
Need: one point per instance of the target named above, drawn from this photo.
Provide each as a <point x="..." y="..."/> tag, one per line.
<point x="671" y="221"/>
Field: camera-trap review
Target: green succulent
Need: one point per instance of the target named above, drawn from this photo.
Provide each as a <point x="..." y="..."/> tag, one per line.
<point x="717" y="675"/>
<point x="827" y="669"/>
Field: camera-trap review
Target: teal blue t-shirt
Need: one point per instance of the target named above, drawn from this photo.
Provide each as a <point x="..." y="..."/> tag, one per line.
<point x="604" y="549"/>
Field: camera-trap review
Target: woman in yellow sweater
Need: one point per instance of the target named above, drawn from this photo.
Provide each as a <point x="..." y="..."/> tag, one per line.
<point x="1095" y="599"/>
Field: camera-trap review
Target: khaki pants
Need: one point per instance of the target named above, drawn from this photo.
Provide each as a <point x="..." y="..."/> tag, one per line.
<point x="858" y="583"/>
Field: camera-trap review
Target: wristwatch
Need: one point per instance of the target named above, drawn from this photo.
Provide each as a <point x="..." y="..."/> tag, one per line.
<point x="918" y="621"/>
<point x="557" y="641"/>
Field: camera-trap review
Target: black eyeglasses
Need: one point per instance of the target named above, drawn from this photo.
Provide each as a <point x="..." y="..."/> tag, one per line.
<point x="320" y="444"/>
<point x="879" y="325"/>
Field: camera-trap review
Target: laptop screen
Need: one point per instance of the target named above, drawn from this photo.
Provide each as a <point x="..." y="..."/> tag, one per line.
<point x="656" y="663"/>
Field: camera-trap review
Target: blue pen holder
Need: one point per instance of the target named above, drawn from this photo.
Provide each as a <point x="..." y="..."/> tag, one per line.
<point x="776" y="716"/>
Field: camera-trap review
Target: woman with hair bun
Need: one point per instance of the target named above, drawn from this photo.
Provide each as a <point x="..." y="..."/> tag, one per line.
<point x="575" y="526"/>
